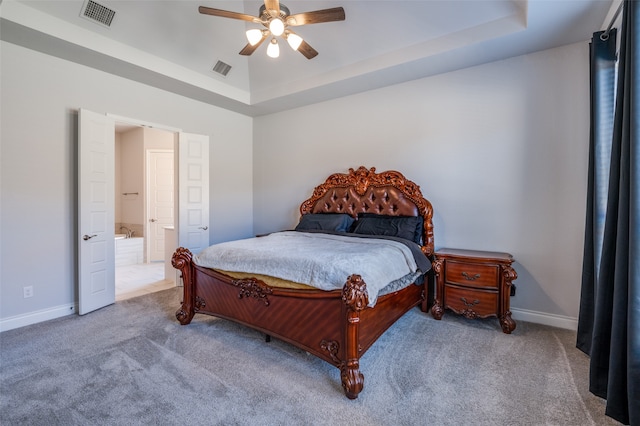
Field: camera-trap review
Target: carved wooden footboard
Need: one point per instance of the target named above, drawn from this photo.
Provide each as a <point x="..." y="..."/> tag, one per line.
<point x="337" y="326"/>
<point x="303" y="318"/>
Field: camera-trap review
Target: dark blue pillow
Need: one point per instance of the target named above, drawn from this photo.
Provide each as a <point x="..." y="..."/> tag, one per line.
<point x="407" y="227"/>
<point x="339" y="222"/>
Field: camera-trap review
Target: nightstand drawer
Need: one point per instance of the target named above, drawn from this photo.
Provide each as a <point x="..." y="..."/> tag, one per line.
<point x="471" y="303"/>
<point x="472" y="275"/>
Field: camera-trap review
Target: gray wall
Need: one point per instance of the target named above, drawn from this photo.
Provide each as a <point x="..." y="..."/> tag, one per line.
<point x="499" y="149"/>
<point x="40" y="97"/>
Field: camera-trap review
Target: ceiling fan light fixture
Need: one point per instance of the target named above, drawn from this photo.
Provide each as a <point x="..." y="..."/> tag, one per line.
<point x="294" y="40"/>
<point x="254" y="36"/>
<point x="273" y="50"/>
<point x="275" y="19"/>
<point x="276" y="26"/>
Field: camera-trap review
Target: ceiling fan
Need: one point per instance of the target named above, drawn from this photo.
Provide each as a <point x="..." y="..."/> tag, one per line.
<point x="276" y="18"/>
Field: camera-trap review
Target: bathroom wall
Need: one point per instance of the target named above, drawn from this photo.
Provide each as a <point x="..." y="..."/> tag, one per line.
<point x="130" y="148"/>
<point x="158" y="139"/>
<point x="131" y="188"/>
<point x="117" y="216"/>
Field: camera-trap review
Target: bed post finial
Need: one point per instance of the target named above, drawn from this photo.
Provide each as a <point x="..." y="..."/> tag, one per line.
<point x="354" y="293"/>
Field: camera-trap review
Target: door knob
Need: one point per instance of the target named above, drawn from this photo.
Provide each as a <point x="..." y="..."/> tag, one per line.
<point x="203" y="228"/>
<point x="88" y="237"/>
<point x="153" y="220"/>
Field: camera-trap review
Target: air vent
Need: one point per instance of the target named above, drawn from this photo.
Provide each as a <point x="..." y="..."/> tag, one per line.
<point x="97" y="13"/>
<point x="221" y="68"/>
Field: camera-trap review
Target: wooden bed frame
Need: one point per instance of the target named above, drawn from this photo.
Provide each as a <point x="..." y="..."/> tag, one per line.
<point x="336" y="326"/>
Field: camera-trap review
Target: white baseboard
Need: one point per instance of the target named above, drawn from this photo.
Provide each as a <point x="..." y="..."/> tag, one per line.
<point x="36" y="317"/>
<point x="544" y="318"/>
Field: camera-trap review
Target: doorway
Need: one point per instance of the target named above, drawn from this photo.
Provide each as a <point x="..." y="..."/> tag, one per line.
<point x="96" y="202"/>
<point x="144" y="207"/>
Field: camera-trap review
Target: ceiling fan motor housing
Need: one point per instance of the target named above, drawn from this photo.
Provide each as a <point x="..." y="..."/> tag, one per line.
<point x="284" y="12"/>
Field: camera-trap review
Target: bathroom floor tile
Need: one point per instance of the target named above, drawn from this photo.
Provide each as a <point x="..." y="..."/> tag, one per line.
<point x="143" y="278"/>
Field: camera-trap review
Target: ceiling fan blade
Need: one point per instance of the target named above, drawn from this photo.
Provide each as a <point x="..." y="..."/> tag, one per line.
<point x="308" y="51"/>
<point x="249" y="49"/>
<point x="273" y="7"/>
<point x="317" y="16"/>
<point x="227" y="14"/>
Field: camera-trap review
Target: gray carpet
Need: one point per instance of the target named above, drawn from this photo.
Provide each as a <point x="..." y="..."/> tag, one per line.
<point x="132" y="363"/>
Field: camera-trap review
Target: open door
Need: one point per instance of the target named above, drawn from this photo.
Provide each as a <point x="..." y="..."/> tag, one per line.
<point x="193" y="192"/>
<point x="96" y="203"/>
<point x="160" y="195"/>
<point x="96" y="170"/>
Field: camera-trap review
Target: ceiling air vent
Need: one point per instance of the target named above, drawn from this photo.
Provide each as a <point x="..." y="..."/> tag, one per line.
<point x="221" y="68"/>
<point x="97" y="13"/>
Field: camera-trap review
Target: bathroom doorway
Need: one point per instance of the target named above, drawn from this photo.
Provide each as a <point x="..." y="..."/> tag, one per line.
<point x="144" y="207"/>
<point x="97" y="195"/>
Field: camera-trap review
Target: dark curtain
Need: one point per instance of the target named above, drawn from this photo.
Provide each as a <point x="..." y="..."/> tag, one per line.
<point x="603" y="63"/>
<point x="609" y="322"/>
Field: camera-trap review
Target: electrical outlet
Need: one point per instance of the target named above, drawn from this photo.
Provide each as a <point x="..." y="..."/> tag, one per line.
<point x="28" y="291"/>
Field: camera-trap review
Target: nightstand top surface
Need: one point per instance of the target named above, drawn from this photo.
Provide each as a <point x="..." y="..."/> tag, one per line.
<point x="451" y="252"/>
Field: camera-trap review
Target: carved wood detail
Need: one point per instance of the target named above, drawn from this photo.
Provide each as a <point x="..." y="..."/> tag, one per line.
<point x="506" y="322"/>
<point x="437" y="311"/>
<point x="181" y="260"/>
<point x="363" y="178"/>
<point x="469" y="313"/>
<point x="352" y="379"/>
<point x="182" y="316"/>
<point x="354" y="293"/>
<point x="200" y="304"/>
<point x="251" y="287"/>
<point x="509" y="275"/>
<point x="331" y="346"/>
<point x="356" y="299"/>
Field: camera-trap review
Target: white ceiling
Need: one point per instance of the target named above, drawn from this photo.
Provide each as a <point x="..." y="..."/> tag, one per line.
<point x="170" y="45"/>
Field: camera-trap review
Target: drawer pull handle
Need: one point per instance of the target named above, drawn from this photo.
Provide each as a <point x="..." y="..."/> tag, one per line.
<point x="470" y="305"/>
<point x="469" y="277"/>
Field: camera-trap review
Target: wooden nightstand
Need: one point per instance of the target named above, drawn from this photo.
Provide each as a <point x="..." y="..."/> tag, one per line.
<point x="476" y="284"/>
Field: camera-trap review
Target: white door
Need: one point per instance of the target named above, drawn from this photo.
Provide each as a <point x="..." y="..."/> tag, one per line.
<point x="96" y="173"/>
<point x="160" y="201"/>
<point x="193" y="191"/>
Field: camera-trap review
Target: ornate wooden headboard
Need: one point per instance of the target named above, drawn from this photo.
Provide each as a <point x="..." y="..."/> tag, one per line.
<point x="365" y="191"/>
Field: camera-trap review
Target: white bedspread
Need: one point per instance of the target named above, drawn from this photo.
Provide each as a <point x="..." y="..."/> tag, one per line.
<point x="320" y="260"/>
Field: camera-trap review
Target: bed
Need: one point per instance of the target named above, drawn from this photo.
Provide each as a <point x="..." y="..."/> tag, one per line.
<point x="339" y="325"/>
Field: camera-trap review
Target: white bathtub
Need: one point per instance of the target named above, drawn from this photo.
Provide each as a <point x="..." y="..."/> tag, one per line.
<point x="129" y="251"/>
